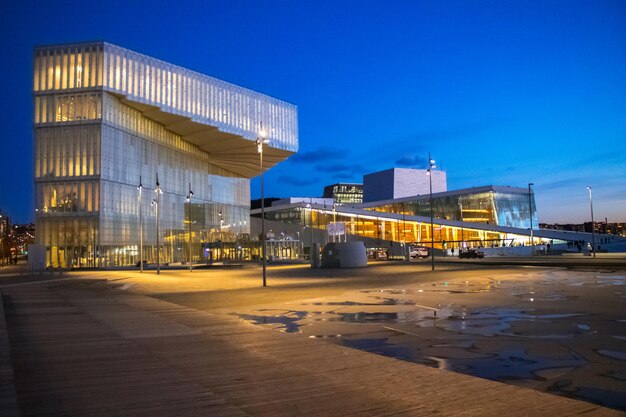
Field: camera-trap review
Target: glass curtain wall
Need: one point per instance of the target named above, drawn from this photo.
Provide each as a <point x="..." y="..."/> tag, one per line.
<point x="490" y="207"/>
<point x="382" y="230"/>
<point x="91" y="150"/>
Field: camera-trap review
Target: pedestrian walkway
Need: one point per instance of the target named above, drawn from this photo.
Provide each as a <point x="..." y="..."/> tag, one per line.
<point x="86" y="348"/>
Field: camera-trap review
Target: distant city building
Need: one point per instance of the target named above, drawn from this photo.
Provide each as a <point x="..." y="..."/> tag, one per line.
<point x="344" y="193"/>
<point x="401" y="182"/>
<point x="5" y="236"/>
<point x="328" y="202"/>
<point x="617" y="229"/>
<point x="107" y="119"/>
<point x="22" y="235"/>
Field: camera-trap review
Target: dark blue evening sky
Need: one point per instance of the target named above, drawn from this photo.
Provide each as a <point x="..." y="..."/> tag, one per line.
<point x="500" y="92"/>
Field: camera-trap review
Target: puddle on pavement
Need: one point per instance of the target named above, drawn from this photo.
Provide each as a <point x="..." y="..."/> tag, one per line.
<point x="613" y="354"/>
<point x="381" y="346"/>
<point x="506" y="365"/>
<point x="548" y="297"/>
<point x="605" y="397"/>
<point x="386" y="301"/>
<point x="488" y="323"/>
<point x="288" y="322"/>
<point x="488" y="342"/>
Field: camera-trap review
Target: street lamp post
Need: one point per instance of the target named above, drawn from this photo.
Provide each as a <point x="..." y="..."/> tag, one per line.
<point x="189" y="218"/>
<point x="405" y="251"/>
<point x="593" y="234"/>
<point x="530" y="211"/>
<point x="461" y="218"/>
<point x="261" y="139"/>
<point x="431" y="166"/>
<point x="139" y="189"/>
<point x="335" y="222"/>
<point x="157" y="191"/>
<point x="308" y="206"/>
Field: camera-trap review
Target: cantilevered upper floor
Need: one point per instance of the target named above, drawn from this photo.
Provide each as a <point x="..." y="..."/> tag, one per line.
<point x="220" y="118"/>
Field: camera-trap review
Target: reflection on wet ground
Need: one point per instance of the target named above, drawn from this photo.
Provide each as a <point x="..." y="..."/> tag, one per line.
<point x="287" y="320"/>
<point x="555" y="331"/>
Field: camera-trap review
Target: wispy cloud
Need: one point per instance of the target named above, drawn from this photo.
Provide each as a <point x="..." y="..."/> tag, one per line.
<point x="299" y="182"/>
<point x="318" y="155"/>
<point x="412" y="161"/>
<point x="344" y="176"/>
<point x="339" y="167"/>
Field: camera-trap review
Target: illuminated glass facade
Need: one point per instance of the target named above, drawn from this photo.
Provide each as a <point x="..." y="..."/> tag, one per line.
<point x="343" y="193"/>
<point x="107" y="118"/>
<point x="501" y="206"/>
<point x="487" y="217"/>
<point x="392" y="231"/>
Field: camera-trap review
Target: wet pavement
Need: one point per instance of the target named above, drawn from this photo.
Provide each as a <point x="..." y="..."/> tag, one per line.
<point x="557" y="331"/>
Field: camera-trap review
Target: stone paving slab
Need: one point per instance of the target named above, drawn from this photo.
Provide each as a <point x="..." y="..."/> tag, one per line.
<point x="75" y="352"/>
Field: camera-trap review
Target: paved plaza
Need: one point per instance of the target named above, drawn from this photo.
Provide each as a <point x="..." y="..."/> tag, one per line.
<point x="390" y="339"/>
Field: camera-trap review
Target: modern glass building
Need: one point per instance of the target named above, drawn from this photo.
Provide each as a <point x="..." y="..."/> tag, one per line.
<point x="392" y="228"/>
<point x="500" y="206"/>
<point x="344" y="193"/>
<point x="107" y="120"/>
<point x="486" y="217"/>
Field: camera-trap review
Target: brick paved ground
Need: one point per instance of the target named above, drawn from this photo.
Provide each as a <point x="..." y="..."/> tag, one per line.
<point x="84" y="348"/>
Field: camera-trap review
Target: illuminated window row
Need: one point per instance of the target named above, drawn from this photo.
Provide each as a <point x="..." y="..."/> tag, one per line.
<point x="70" y="151"/>
<point x="68" y="68"/>
<point x="67" y="197"/>
<point x="68" y="108"/>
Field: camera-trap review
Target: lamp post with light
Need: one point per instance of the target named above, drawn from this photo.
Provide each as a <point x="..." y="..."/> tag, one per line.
<point x="261" y="139"/>
<point x="461" y="218"/>
<point x="530" y="211"/>
<point x="308" y="206"/>
<point x="431" y="166"/>
<point x="335" y="223"/>
<point x="593" y="234"/>
<point x="139" y="190"/>
<point x="158" y="192"/>
<point x="189" y="195"/>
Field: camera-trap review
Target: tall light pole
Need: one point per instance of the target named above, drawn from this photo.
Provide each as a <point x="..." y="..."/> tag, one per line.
<point x="139" y="189"/>
<point x="405" y="250"/>
<point x="260" y="140"/>
<point x="335" y="222"/>
<point x="431" y="166"/>
<point x="593" y="234"/>
<point x="308" y="206"/>
<point x="461" y="218"/>
<point x="189" y="218"/>
<point x="157" y="191"/>
<point x="221" y="238"/>
<point x="530" y="211"/>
